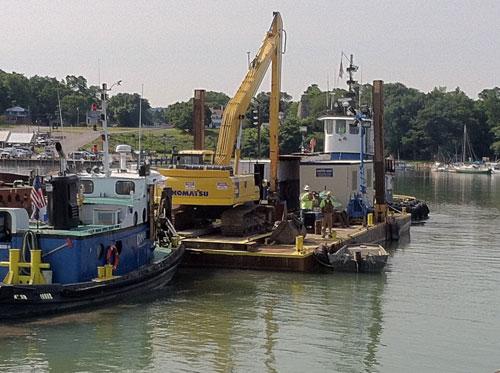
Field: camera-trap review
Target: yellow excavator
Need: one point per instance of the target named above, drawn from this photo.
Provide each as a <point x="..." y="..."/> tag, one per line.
<point x="204" y="184"/>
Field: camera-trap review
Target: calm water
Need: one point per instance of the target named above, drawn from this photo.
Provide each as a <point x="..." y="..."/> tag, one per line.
<point x="436" y="309"/>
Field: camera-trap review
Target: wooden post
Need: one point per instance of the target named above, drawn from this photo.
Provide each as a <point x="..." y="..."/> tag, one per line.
<point x="199" y="119"/>
<point x="378" y="161"/>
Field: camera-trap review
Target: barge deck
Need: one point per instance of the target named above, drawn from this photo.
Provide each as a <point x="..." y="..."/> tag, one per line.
<point x="257" y="253"/>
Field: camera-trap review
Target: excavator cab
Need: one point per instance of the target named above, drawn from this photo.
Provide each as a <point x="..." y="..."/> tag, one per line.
<point x="193" y="157"/>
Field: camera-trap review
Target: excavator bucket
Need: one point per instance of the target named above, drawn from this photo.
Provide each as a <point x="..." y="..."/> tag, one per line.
<point x="287" y="229"/>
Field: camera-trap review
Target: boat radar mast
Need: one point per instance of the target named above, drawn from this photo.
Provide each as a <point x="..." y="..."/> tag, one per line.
<point x="351" y="69"/>
<point x="104" y="119"/>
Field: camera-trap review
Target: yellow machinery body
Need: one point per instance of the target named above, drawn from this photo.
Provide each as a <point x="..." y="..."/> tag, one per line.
<point x="206" y="187"/>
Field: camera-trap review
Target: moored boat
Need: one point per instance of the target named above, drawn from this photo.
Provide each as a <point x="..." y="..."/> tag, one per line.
<point x="364" y="258"/>
<point x="473" y="169"/>
<point x="91" y="251"/>
<point x="102" y="239"/>
<point x="418" y="209"/>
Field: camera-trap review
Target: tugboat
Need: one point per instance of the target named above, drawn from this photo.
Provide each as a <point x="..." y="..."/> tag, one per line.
<point x="104" y="241"/>
<point x="349" y="134"/>
<point x="349" y="140"/>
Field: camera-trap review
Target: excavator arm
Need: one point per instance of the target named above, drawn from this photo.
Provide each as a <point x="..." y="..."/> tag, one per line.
<point x="269" y="52"/>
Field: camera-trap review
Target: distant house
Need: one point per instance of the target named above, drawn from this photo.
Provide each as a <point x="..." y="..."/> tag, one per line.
<point x="17" y="115"/>
<point x="216" y="117"/>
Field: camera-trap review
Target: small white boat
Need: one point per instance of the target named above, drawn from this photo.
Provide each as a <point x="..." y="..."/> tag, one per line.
<point x="474" y="169"/>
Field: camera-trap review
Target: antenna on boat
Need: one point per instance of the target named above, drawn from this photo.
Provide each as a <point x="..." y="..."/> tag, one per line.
<point x="327" y="91"/>
<point x="351" y="69"/>
<point x="104" y="118"/>
<point x="140" y="126"/>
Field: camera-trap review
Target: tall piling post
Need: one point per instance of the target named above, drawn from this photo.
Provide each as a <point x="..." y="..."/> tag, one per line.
<point x="199" y="119"/>
<point x="378" y="162"/>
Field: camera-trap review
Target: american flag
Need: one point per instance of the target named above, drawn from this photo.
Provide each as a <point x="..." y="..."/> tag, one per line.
<point x="37" y="197"/>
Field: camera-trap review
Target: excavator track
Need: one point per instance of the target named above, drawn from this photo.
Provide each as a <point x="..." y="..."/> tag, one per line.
<point x="245" y="220"/>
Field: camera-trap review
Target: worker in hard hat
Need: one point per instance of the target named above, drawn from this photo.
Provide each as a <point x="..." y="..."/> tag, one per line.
<point x="327" y="208"/>
<point x="306" y="201"/>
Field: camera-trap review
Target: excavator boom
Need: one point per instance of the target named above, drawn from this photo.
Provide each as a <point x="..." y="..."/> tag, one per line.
<point x="204" y="192"/>
<point x="270" y="51"/>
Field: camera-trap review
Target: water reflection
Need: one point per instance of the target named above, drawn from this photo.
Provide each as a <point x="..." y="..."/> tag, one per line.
<point x="216" y="321"/>
<point x="100" y="339"/>
<point x="449" y="187"/>
<point x="251" y="321"/>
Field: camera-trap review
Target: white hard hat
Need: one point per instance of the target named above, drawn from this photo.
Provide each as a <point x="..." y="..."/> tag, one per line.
<point x="306" y="188"/>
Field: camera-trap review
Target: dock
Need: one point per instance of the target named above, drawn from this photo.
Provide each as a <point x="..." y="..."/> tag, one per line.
<point x="257" y="253"/>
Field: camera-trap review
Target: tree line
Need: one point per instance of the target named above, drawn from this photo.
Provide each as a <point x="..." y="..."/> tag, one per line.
<point x="418" y="125"/>
<point x="41" y="96"/>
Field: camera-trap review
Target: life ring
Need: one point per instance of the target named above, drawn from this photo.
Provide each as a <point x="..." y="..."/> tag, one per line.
<point x="113" y="253"/>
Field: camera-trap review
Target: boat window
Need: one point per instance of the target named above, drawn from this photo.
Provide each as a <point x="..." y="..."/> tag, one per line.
<point x="88" y="186"/>
<point x="5" y="226"/>
<point x="353" y="129"/>
<point x="341" y="127"/>
<point x="329" y="126"/>
<point x="125" y="187"/>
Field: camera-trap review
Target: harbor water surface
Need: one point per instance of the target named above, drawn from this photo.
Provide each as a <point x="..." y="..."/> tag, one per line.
<point x="436" y="308"/>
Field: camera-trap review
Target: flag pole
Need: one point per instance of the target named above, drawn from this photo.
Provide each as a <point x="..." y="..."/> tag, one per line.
<point x="38" y="210"/>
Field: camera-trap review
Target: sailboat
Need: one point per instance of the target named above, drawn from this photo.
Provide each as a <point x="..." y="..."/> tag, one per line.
<point x="473" y="168"/>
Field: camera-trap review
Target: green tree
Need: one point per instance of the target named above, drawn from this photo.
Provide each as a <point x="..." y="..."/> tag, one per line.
<point x="261" y="104"/>
<point x="44" y="103"/>
<point x="290" y="138"/>
<point x="440" y="124"/>
<point x="74" y="108"/>
<point x="14" y="90"/>
<point x="401" y="106"/>
<point x="124" y="109"/>
<point x="249" y="147"/>
<point x="77" y="84"/>
<point x="216" y="99"/>
<point x="180" y="115"/>
<point x="158" y="115"/>
<point x="489" y="105"/>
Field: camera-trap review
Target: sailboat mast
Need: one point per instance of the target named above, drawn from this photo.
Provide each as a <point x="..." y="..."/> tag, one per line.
<point x="464" y="144"/>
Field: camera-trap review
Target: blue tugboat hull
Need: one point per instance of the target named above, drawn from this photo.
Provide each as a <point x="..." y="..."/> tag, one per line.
<point x="27" y="301"/>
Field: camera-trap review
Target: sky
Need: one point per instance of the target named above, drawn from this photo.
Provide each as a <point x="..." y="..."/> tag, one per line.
<point x="175" y="47"/>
